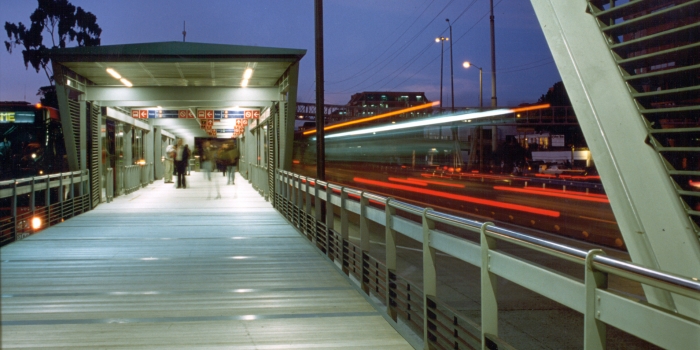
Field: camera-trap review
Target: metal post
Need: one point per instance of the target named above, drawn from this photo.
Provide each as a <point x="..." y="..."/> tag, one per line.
<point x="320" y="122"/>
<point x="452" y="82"/>
<point x="390" y="246"/>
<point x="364" y="241"/>
<point x="595" y="331"/>
<point x="429" y="273"/>
<point x="344" y="229"/>
<point x="489" y="302"/>
<point x="442" y="50"/>
<point x="494" y="101"/>
<point x="481" y="89"/>
<point x="330" y="220"/>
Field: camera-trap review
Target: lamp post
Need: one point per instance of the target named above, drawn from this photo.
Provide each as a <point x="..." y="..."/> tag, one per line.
<point x="467" y="65"/>
<point x="441" y="40"/>
<point x="452" y="81"/>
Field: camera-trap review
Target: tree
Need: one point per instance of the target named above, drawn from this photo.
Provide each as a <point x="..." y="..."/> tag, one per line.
<point x="556" y="96"/>
<point x="64" y="23"/>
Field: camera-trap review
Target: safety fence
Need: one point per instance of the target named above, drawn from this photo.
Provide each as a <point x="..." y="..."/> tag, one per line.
<point x="137" y="176"/>
<point x="31" y="204"/>
<point x="309" y="205"/>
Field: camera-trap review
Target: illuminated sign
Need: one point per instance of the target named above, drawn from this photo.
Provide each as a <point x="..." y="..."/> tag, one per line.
<point x="25" y="117"/>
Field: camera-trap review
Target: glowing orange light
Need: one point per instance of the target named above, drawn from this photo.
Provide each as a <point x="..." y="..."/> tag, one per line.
<point x="468" y="199"/>
<point x="296" y="161"/>
<point x="530" y="108"/>
<point x="552" y="194"/>
<point x="598" y="195"/>
<point x="379" y="116"/>
<point x="38" y="105"/>
<point x="36" y="223"/>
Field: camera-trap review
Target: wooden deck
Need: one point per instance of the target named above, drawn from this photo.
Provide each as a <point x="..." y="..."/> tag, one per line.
<point x="166" y="268"/>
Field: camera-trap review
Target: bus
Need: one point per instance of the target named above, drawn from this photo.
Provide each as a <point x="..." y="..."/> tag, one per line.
<point x="31" y="141"/>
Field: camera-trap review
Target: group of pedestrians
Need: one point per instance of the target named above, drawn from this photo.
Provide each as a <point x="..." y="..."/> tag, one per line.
<point x="177" y="158"/>
<point x="225" y="159"/>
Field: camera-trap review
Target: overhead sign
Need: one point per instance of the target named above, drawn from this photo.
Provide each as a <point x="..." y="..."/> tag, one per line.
<point x="162" y="113"/>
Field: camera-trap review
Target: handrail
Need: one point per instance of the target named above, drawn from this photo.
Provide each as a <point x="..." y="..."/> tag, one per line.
<point x="491" y="261"/>
<point x="42" y="212"/>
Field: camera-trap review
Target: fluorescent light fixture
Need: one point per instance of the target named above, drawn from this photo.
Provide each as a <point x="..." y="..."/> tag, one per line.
<point x="126" y="82"/>
<point x="159" y="107"/>
<point x="424" y="122"/>
<point x="244" y="83"/>
<point x="248" y="73"/>
<point x="113" y="73"/>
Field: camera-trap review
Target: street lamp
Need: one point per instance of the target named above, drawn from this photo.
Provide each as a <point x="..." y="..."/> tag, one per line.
<point x="467" y="65"/>
<point x="441" y="40"/>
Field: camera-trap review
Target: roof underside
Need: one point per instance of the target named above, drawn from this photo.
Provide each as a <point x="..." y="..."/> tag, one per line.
<point x="179" y="64"/>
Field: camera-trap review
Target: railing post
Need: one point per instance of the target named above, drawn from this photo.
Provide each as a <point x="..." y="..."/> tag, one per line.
<point x="60" y="194"/>
<point x="307" y="211"/>
<point x="364" y="241"/>
<point x="32" y="198"/>
<point x="47" y="200"/>
<point x="429" y="274"/>
<point x="595" y="332"/>
<point x="344" y="230"/>
<point x="330" y="222"/>
<point x="14" y="211"/>
<point x="489" y="303"/>
<point x="390" y="247"/>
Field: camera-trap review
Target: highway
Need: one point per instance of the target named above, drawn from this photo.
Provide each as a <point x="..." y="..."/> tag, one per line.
<point x="513" y="201"/>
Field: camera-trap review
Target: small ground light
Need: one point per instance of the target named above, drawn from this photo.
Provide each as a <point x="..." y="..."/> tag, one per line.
<point x="36" y="223"/>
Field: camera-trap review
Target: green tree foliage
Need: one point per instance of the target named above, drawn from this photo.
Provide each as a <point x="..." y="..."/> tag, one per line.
<point x="63" y="23"/>
<point x="556" y="96"/>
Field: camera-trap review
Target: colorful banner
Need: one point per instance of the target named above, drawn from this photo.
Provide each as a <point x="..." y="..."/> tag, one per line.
<point x="162" y="113"/>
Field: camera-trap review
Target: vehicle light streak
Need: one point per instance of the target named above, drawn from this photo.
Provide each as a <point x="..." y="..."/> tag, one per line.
<point x="438" y="183"/>
<point x="462" y="198"/>
<point x="424" y="122"/>
<point x="409" y="181"/>
<point x="552" y="194"/>
<point x="584" y="194"/>
<point x="378" y="116"/>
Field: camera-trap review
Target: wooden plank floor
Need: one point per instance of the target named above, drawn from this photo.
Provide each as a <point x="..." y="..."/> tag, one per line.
<point x="166" y="268"/>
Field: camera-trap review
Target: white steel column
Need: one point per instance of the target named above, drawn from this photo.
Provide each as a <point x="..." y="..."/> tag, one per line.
<point x="655" y="227"/>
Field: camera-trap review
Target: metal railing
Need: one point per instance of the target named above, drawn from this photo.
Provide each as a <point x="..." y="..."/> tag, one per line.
<point x="109" y="184"/>
<point x="303" y="200"/>
<point x="132" y="178"/>
<point x="31" y="204"/>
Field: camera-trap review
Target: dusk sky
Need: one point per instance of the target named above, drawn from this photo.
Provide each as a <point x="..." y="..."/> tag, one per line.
<point x="370" y="45"/>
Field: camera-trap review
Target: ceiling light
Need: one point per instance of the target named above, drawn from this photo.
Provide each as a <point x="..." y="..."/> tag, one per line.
<point x="244" y="83"/>
<point x="113" y="73"/>
<point x="248" y="73"/>
<point x="126" y="82"/>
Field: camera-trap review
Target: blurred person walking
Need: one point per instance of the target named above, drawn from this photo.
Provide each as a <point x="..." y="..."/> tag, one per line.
<point x="208" y="158"/>
<point x="232" y="156"/>
<point x="168" y="162"/>
<point x="182" y="155"/>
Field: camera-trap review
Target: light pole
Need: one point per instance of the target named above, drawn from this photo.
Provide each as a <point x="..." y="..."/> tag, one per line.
<point x="441" y="40"/>
<point x="452" y="81"/>
<point x="467" y="65"/>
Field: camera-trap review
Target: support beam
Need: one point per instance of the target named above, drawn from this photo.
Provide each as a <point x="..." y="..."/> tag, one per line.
<point x="654" y="224"/>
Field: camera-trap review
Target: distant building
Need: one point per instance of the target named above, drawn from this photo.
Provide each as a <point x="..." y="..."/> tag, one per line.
<point x="387" y="99"/>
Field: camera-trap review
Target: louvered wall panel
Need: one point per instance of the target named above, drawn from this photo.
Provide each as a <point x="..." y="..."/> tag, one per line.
<point x="94" y="153"/>
<point x="74" y="108"/>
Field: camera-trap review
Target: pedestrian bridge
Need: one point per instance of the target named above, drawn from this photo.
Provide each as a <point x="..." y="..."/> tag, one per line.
<point x="326" y="267"/>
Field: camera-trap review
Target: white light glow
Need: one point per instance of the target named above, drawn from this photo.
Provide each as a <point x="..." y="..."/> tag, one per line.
<point x="239" y="257"/>
<point x="148" y="259"/>
<point x="249" y="317"/>
<point x="244" y="83"/>
<point x="126" y="82"/>
<point x="114" y="73"/>
<point x="248" y="73"/>
<point x="424" y="122"/>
